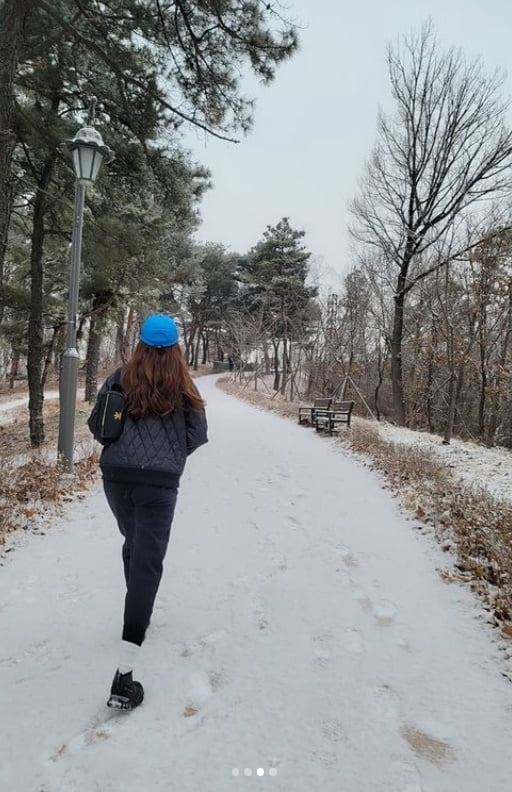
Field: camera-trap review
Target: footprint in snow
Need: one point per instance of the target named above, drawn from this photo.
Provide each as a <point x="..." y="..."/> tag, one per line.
<point x="403" y="643"/>
<point x="363" y="600"/>
<point x="205" y="643"/>
<point x="354" y="641"/>
<point x="347" y="556"/>
<point x="408" y="776"/>
<point x="325" y="757"/>
<point x="202" y="686"/>
<point x="74" y="594"/>
<point x="334" y="731"/>
<point x="9" y="661"/>
<point x="322" y="657"/>
<point x="261" y="620"/>
<point x="384" y="613"/>
<point x="323" y="637"/>
<point x="427" y="744"/>
<point x="387" y="703"/>
<point x="280" y="564"/>
<point x="99" y="728"/>
<point x="322" y="654"/>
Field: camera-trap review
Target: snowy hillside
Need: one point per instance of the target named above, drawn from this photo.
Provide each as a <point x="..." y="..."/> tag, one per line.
<point x="474" y="464"/>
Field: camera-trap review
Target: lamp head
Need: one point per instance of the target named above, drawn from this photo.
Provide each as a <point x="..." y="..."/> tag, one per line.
<point x="88" y="153"/>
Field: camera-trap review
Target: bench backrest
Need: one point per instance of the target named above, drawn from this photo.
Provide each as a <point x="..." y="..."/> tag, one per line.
<point x="322" y="404"/>
<point x="342" y="406"/>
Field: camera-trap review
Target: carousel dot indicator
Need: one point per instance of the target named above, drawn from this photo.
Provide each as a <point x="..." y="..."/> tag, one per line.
<point x="260" y="771"/>
<point x="248" y="771"/>
<point x="235" y="771"/>
<point x="272" y="771"/>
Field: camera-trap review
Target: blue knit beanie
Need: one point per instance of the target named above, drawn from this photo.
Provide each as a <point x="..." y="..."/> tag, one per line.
<point x="159" y="330"/>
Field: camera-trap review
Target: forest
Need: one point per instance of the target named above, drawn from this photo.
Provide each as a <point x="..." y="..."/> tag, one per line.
<point x="420" y="330"/>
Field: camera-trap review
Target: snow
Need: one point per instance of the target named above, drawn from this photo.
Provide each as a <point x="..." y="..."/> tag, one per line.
<point x="473" y="464"/>
<point x="23" y="400"/>
<point x="10" y="405"/>
<point x="301" y="629"/>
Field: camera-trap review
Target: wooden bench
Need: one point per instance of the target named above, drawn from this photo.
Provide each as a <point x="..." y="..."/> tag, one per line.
<point x="308" y="412"/>
<point x="338" y="412"/>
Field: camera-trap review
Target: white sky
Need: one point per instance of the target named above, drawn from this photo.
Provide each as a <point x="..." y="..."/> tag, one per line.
<point x="315" y="125"/>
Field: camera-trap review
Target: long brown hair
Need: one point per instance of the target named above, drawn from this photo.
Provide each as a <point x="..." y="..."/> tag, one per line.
<point x="157" y="381"/>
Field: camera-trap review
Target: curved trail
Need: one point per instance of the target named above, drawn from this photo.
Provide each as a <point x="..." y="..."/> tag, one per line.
<point x="301" y="630"/>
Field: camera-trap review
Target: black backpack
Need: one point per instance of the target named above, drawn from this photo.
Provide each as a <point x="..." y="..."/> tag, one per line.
<point x="109" y="414"/>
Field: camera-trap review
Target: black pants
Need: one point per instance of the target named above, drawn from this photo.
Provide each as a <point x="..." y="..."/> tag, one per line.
<point x="144" y="516"/>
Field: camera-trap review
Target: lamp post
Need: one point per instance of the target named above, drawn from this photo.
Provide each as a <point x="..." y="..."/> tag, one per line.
<point x="88" y="153"/>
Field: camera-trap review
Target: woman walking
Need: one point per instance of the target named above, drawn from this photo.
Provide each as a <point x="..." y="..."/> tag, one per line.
<point x="164" y="423"/>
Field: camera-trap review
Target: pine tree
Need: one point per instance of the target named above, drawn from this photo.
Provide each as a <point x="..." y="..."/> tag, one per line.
<point x="274" y="276"/>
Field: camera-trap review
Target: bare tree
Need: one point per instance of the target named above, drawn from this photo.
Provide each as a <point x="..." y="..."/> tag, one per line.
<point x="445" y="148"/>
<point x="492" y="288"/>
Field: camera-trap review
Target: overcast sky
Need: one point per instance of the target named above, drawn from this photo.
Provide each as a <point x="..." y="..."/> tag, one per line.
<point x="316" y="123"/>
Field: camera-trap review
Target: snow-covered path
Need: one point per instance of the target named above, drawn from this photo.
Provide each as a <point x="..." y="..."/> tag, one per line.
<point x="301" y="629"/>
<point x="8" y="406"/>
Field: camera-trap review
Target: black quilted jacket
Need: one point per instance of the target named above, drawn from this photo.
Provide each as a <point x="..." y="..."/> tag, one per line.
<point x="152" y="449"/>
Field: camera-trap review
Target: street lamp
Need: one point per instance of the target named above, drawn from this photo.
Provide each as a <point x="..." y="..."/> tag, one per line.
<point x="88" y="153"/>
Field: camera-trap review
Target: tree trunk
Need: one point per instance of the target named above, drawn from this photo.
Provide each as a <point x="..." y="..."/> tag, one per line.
<point x="195" y="360"/>
<point x="452" y="395"/>
<point x="461" y="376"/>
<point x="189" y="345"/>
<point x="206" y="344"/>
<point x="15" y="362"/>
<point x="380" y="372"/>
<point x="429" y="385"/>
<point x="503" y="357"/>
<point x="396" y="356"/>
<point x="49" y="356"/>
<point x="125" y="337"/>
<point x="481" y="403"/>
<point x="492" y="423"/>
<point x="132" y="332"/>
<point x="266" y="358"/>
<point x="276" y="366"/>
<point x="293" y="384"/>
<point x="119" y="336"/>
<point x="35" y="322"/>
<point x="218" y="344"/>
<point x="286" y="366"/>
<point x="93" y="353"/>
<point x="12" y="15"/>
<point x="429" y="389"/>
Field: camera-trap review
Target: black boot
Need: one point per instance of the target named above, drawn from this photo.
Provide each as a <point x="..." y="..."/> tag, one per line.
<point x="125" y="693"/>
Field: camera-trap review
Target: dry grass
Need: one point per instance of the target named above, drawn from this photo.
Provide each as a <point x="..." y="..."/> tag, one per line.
<point x="258" y="399"/>
<point x="30" y="490"/>
<point x="31" y="484"/>
<point x="468" y="521"/>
